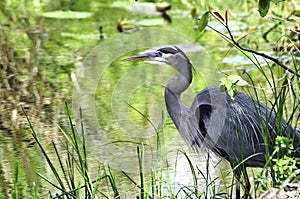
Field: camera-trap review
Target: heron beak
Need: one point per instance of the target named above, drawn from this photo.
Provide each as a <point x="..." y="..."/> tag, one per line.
<point x="149" y="56"/>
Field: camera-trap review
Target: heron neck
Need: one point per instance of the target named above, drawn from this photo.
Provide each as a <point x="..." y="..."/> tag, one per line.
<point x="179" y="84"/>
<point x="173" y="90"/>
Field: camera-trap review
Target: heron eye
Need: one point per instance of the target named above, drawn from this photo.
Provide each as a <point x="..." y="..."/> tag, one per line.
<point x="158" y="53"/>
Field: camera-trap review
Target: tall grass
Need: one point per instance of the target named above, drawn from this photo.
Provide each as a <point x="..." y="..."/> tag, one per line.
<point x="72" y="176"/>
<point x="282" y="96"/>
<point x="15" y="194"/>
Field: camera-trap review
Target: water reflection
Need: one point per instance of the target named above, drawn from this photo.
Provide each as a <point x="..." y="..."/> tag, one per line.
<point x="37" y="65"/>
<point x="129" y="104"/>
<point x="173" y="173"/>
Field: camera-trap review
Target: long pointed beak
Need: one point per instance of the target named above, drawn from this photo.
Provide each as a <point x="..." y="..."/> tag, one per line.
<point x="143" y="57"/>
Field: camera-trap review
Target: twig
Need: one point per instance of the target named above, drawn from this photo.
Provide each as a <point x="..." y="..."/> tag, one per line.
<point x="276" y="61"/>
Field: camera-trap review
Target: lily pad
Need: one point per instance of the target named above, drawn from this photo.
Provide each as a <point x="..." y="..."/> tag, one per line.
<point x="80" y="36"/>
<point x="151" y="22"/>
<point x="146" y="8"/>
<point x="242" y="60"/>
<point x="59" y="14"/>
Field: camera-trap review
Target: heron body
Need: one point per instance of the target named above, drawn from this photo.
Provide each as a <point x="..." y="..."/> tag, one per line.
<point x="236" y="127"/>
<point x="241" y="130"/>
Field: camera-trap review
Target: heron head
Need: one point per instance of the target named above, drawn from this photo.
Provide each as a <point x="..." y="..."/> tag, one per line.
<point x="164" y="55"/>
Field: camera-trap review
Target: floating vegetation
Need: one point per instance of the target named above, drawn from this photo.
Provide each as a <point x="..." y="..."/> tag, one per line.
<point x="59" y="14"/>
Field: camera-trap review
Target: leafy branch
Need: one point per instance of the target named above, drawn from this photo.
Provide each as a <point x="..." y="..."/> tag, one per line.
<point x="203" y="22"/>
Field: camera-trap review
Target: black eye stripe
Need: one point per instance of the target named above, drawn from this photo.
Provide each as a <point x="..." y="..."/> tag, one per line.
<point x="168" y="50"/>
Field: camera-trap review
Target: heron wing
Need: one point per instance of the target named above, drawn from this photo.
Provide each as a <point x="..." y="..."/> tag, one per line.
<point x="230" y="128"/>
<point x="240" y="128"/>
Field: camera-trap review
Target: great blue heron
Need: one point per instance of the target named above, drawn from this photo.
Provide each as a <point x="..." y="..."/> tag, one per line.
<point x="241" y="130"/>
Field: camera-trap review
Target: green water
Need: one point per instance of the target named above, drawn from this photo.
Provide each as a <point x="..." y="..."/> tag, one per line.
<point x="42" y="61"/>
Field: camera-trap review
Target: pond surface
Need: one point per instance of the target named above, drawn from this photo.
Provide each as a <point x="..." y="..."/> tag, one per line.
<point x="122" y="103"/>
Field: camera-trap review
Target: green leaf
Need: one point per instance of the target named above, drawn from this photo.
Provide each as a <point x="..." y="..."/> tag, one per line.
<point x="203" y="21"/>
<point x="230" y="84"/>
<point x="263" y="7"/>
<point x="194" y="13"/>
<point x="232" y="93"/>
<point x="237" y="80"/>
